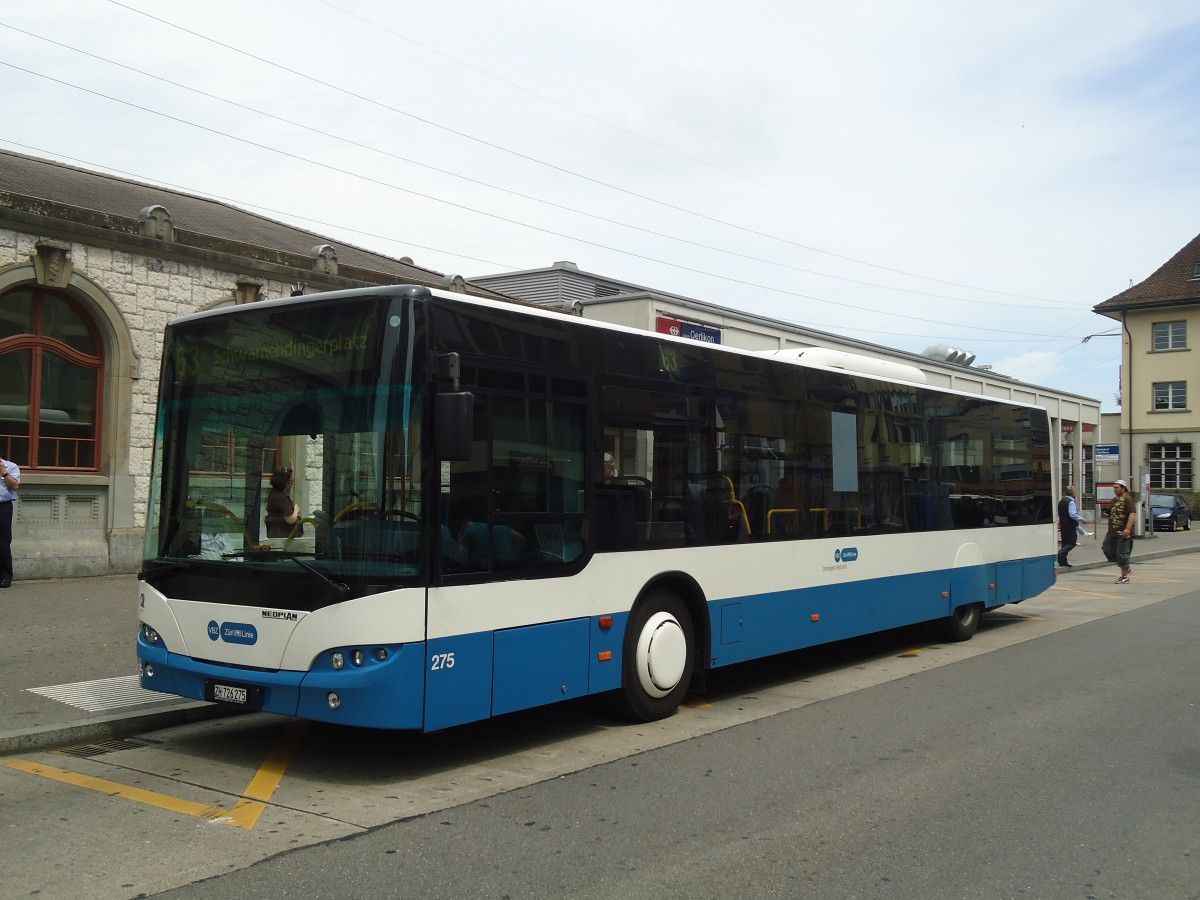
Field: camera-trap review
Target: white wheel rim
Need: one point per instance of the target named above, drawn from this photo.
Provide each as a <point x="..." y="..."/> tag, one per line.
<point x="661" y="654"/>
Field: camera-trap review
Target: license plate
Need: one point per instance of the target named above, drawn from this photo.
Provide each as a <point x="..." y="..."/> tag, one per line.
<point x="227" y="694"/>
<point x="233" y="694"/>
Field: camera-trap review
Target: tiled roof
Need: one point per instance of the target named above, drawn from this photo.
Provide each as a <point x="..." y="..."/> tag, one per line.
<point x="119" y="200"/>
<point x="1174" y="282"/>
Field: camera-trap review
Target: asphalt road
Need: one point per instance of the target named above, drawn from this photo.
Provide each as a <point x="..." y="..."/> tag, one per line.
<point x="1065" y="766"/>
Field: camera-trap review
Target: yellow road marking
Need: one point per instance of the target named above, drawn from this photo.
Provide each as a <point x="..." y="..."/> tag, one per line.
<point x="262" y="786"/>
<point x="1091" y="593"/>
<point x="113" y="789"/>
<point x="245" y="812"/>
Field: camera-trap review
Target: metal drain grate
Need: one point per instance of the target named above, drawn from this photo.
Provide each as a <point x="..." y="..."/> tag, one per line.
<point x="88" y="750"/>
<point x="101" y="695"/>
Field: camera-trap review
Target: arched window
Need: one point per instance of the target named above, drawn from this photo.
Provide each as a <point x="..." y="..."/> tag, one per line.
<point x="52" y="361"/>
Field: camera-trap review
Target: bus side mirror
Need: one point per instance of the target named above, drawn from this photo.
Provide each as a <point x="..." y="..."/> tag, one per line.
<point x="453" y="417"/>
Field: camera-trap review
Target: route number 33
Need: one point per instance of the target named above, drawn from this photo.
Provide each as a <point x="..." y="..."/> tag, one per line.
<point x="441" y="661"/>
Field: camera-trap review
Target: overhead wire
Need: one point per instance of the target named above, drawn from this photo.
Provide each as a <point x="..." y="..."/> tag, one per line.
<point x="552" y="166"/>
<point x="479" y="182"/>
<point x="408" y="243"/>
<point x="749" y="179"/>
<point x="496" y="216"/>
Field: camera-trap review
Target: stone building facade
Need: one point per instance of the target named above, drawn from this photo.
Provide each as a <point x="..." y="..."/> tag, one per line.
<point x="92" y="267"/>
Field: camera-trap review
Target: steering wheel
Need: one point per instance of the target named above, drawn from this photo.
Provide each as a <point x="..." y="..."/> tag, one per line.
<point x="400" y="513"/>
<point x="633" y="481"/>
<point x="354" y="510"/>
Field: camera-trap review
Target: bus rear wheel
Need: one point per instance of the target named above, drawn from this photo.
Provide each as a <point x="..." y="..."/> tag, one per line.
<point x="961" y="624"/>
<point x="659" y="653"/>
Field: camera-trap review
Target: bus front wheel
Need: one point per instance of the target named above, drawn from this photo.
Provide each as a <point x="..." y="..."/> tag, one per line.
<point x="659" y="653"/>
<point x="961" y="624"/>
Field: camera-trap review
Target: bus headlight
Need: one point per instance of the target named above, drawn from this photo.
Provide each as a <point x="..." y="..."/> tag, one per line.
<point x="338" y="659"/>
<point x="149" y="634"/>
<point x="334" y="700"/>
<point x="358" y="657"/>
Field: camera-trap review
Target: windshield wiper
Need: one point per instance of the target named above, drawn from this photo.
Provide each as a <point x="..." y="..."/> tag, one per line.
<point x="342" y="588"/>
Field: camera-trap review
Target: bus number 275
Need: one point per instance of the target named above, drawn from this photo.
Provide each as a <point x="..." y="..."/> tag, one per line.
<point x="441" y="661"/>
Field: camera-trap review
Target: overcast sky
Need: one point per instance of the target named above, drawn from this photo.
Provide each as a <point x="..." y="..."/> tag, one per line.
<point x="906" y="173"/>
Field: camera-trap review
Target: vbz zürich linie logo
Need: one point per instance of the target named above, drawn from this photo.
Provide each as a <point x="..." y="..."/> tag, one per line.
<point x="845" y="555"/>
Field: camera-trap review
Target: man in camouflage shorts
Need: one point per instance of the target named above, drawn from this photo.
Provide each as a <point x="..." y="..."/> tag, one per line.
<point x="1118" y="542"/>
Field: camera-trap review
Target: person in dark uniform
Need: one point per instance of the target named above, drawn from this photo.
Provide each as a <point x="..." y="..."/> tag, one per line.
<point x="1069" y="524"/>
<point x="9" y="485"/>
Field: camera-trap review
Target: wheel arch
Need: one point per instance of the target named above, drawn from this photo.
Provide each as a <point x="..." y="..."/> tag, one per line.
<point x="689" y="591"/>
<point x="969" y="578"/>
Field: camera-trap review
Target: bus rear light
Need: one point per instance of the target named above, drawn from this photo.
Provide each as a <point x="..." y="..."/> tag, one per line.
<point x="606" y="622"/>
<point x="604" y="655"/>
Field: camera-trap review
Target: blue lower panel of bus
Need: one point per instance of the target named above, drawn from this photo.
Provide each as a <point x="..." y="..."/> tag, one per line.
<point x="449" y="681"/>
<point x="540" y="664"/>
<point x="378" y="694"/>
<point x="473" y="676"/>
<point x="465" y="678"/>
<point x="746" y="628"/>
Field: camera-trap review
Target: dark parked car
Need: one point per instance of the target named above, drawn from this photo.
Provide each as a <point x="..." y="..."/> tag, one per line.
<point x="1169" y="511"/>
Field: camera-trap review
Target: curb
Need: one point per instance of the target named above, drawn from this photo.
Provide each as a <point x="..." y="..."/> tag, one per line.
<point x="90" y="731"/>
<point x="1138" y="557"/>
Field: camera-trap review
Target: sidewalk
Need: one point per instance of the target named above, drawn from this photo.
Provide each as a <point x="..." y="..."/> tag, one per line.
<point x="77" y="635"/>
<point x="68" y="667"/>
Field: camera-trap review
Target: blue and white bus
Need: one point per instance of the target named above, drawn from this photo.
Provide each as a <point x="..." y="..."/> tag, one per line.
<point x="501" y="507"/>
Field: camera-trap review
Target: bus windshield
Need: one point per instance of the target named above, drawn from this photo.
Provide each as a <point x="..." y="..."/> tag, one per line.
<point x="288" y="447"/>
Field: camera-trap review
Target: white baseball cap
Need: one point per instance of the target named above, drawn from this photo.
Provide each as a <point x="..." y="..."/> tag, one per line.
<point x="1121" y="483"/>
